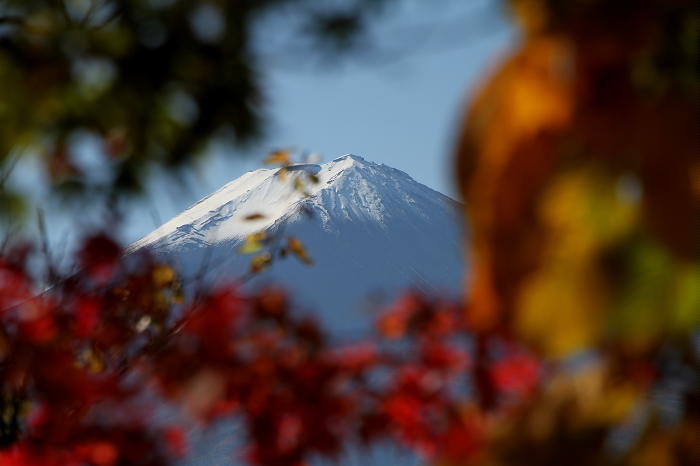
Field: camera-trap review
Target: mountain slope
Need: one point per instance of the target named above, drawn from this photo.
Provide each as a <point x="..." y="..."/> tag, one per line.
<point x="372" y="231"/>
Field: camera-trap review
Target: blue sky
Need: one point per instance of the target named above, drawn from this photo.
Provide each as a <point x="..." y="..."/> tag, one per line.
<point x="401" y="109"/>
<point x="402" y="112"/>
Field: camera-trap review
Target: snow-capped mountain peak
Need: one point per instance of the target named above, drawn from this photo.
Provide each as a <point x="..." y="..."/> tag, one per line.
<point x="347" y="187"/>
<point x="369" y="228"/>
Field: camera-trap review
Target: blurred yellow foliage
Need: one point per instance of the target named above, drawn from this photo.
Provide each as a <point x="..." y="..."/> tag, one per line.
<point x="580" y="219"/>
<point x="163" y="275"/>
<point x="578" y="163"/>
<point x="561" y="301"/>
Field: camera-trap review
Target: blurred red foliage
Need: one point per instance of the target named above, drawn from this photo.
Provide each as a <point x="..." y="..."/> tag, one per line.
<point x="578" y="165"/>
<point x="79" y="359"/>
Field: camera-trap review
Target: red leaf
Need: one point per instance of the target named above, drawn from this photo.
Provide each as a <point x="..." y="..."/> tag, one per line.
<point x="177" y="441"/>
<point x="517" y="373"/>
<point x="86" y="317"/>
<point x="100" y="257"/>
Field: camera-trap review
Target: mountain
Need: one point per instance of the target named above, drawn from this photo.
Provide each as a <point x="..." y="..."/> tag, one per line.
<point x="371" y="230"/>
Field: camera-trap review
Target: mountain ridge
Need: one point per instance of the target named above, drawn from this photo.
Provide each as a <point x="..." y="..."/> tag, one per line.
<point x="185" y="222"/>
<point x="372" y="231"/>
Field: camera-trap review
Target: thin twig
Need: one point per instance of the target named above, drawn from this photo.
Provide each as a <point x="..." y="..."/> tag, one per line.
<point x="50" y="270"/>
<point x="89" y="13"/>
<point x="8" y="169"/>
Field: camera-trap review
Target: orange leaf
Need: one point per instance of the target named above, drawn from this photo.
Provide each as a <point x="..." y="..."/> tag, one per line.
<point x="280" y="157"/>
<point x="251" y="217"/>
<point x="297" y="248"/>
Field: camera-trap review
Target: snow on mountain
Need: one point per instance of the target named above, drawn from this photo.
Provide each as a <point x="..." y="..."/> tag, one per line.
<point x="371" y="230"/>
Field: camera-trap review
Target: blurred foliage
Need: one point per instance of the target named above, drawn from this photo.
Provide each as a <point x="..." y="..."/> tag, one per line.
<point x="579" y="163"/>
<point x="85" y="366"/>
<point x="151" y="81"/>
<point x="579" y="339"/>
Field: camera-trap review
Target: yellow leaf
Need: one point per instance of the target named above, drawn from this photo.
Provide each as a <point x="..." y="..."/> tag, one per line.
<point x="92" y="361"/>
<point x="251" y="217"/>
<point x="260" y="262"/>
<point x="178" y="297"/>
<point x="163" y="275"/>
<point x="297" y="248"/>
<point x="253" y="243"/>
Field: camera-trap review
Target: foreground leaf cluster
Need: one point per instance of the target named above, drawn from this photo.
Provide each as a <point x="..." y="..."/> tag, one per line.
<point x="87" y="365"/>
